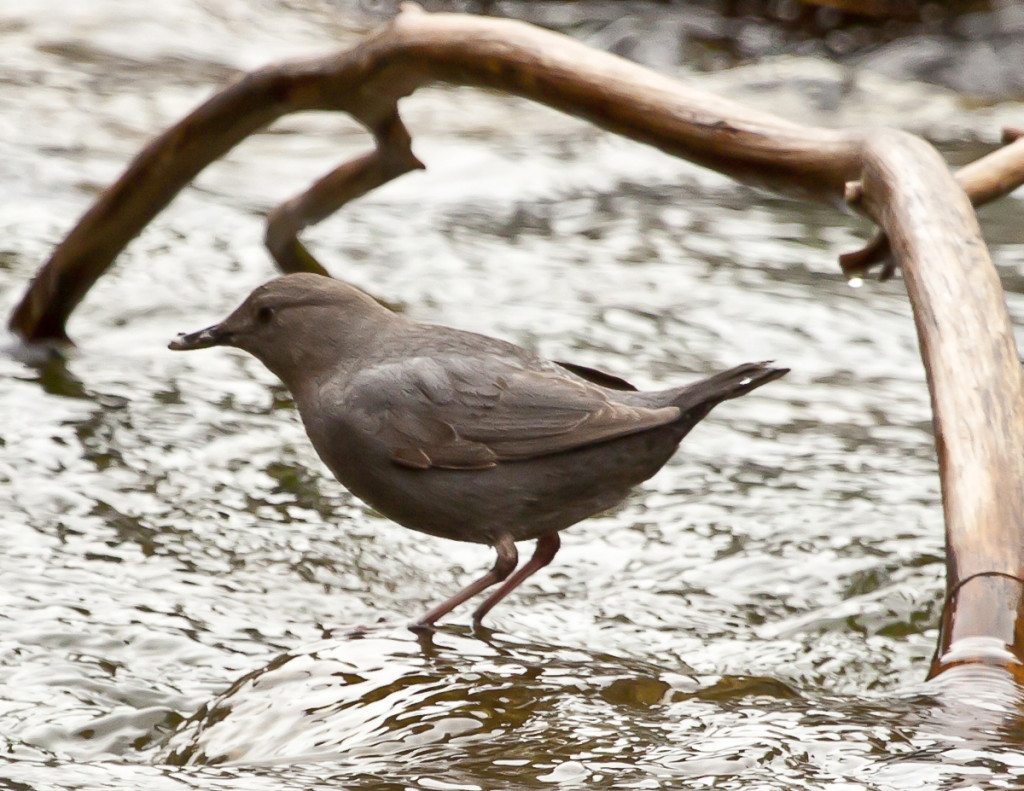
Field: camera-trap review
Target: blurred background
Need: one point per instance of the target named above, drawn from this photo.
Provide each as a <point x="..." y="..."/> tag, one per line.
<point x="759" y="615"/>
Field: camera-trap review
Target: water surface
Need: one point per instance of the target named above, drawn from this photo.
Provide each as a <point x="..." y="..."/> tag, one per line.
<point x="189" y="599"/>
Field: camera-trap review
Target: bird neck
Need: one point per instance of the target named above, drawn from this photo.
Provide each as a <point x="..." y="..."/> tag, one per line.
<point x="325" y="348"/>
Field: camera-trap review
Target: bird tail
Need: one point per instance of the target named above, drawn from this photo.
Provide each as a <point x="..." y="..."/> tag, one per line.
<point x="701" y="397"/>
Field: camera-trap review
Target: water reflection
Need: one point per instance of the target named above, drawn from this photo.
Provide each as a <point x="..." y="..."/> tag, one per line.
<point x="365" y="700"/>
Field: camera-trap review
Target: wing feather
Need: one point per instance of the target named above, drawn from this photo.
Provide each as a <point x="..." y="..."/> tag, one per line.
<point x="460" y="413"/>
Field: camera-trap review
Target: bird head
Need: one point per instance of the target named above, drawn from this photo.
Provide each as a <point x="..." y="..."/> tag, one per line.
<point x="296" y="324"/>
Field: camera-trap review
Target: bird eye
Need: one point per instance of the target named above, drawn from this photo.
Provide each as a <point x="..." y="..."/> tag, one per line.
<point x="264" y="315"/>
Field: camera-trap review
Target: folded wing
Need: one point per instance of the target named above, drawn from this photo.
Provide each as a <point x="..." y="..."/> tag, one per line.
<point x="471" y="414"/>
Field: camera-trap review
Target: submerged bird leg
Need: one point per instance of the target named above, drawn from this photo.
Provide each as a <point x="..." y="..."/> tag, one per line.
<point x="508" y="557"/>
<point x="547" y="547"/>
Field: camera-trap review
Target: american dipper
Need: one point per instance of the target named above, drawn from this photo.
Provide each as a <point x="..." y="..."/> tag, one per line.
<point x="459" y="435"/>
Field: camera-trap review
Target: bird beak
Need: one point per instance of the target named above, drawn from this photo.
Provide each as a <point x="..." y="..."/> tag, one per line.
<point x="203" y="339"/>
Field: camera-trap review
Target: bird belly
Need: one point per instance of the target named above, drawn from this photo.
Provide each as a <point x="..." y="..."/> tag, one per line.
<point x="526" y="499"/>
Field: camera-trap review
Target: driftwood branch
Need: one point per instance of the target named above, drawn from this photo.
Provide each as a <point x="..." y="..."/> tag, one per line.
<point x="977" y="391"/>
<point x="415" y="50"/>
<point x="390" y="159"/>
<point x="984" y="180"/>
<point x="898" y="180"/>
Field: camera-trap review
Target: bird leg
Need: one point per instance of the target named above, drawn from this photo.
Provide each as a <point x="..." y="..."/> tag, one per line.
<point x="547" y="547"/>
<point x="508" y="557"/>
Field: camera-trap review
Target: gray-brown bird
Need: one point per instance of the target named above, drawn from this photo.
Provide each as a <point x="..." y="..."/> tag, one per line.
<point x="456" y="434"/>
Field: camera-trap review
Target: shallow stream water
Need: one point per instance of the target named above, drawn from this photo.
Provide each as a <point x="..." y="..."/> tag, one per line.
<point x="188" y="599"/>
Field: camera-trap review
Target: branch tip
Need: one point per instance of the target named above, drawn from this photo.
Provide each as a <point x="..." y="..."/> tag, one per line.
<point x="875" y="251"/>
<point x="1012" y="133"/>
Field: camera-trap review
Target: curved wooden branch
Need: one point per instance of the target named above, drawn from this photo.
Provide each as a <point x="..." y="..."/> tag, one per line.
<point x="974" y="376"/>
<point x="151" y="181"/>
<point x="391" y="158"/>
<point x="418" y="49"/>
<point x="966" y="339"/>
<point x="984" y="180"/>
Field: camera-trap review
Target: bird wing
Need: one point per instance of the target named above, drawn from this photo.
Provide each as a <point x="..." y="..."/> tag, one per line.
<point x="603" y="378"/>
<point x="462" y="413"/>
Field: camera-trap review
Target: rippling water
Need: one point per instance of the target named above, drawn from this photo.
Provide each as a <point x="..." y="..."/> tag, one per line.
<point x="188" y="599"/>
